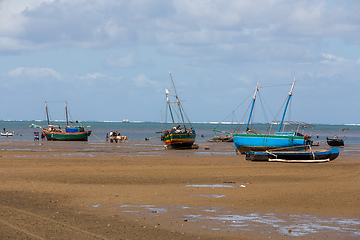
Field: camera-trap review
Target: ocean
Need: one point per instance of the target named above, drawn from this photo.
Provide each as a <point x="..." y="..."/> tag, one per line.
<point x="137" y="132"/>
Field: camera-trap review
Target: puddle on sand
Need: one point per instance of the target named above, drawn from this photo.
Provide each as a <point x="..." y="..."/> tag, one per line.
<point x="209" y="196"/>
<point x="138" y="208"/>
<point x="96" y="205"/>
<point x="23" y="156"/>
<point x="215" y="186"/>
<point x="74" y="154"/>
<point x="221" y="219"/>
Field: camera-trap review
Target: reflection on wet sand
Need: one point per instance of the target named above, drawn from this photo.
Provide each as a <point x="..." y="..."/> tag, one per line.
<point x="227" y="220"/>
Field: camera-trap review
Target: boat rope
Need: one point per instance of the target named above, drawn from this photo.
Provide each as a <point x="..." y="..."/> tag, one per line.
<point x="281" y="85"/>
<point x="312" y="152"/>
<point x="96" y="136"/>
<point x="147" y="139"/>
<point x="232" y="112"/>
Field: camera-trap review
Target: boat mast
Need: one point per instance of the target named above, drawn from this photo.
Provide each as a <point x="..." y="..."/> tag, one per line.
<point x="232" y="120"/>
<point x="169" y="105"/>
<point x="178" y="102"/>
<point x="252" y="107"/>
<point x="66" y="111"/>
<point x="287" y="103"/>
<point x="47" y="113"/>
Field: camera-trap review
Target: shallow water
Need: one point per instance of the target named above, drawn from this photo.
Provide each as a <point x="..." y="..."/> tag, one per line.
<point x="233" y="221"/>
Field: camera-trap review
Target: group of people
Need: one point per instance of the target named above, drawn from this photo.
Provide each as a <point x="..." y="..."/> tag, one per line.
<point x="53" y="129"/>
<point x="114" y="133"/>
<point x="115" y="136"/>
<point x="178" y="129"/>
<point x="36" y="136"/>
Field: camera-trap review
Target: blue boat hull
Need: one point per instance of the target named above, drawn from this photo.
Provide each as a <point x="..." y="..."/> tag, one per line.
<point x="293" y="155"/>
<point x="257" y="142"/>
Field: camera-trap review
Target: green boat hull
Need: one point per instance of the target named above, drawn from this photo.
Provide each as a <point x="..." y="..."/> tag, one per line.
<point x="179" y="140"/>
<point x="63" y="136"/>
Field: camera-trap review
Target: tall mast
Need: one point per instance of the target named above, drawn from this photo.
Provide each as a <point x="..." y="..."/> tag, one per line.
<point x="287" y="103"/>
<point x="169" y="105"/>
<point x="252" y="107"/>
<point x="47" y="113"/>
<point x="66" y="112"/>
<point x="178" y="102"/>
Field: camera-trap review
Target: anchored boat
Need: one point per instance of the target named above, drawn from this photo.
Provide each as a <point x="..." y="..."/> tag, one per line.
<point x="335" y="141"/>
<point x="250" y="140"/>
<point x="5" y="133"/>
<point x="294" y="156"/>
<point x="180" y="135"/>
<point x="65" y="133"/>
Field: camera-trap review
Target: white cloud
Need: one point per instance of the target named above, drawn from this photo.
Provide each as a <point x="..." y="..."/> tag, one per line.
<point x="126" y="61"/>
<point x="12" y="19"/>
<point x="48" y="23"/>
<point x="142" y="80"/>
<point x="330" y="58"/>
<point x="34" y="73"/>
<point x="93" y="76"/>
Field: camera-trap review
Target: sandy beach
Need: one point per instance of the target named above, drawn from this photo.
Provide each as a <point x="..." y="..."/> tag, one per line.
<point x="111" y="191"/>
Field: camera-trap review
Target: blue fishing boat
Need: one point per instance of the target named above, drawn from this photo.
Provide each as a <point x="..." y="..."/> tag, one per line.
<point x="294" y="156"/>
<point x="253" y="141"/>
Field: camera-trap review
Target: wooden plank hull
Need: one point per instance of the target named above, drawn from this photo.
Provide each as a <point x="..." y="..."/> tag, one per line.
<point x="64" y="136"/>
<point x="335" y="142"/>
<point x="179" y="140"/>
<point x="7" y="134"/>
<point x="293" y="155"/>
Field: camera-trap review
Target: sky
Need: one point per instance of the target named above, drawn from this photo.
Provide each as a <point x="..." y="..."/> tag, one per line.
<point x="110" y="59"/>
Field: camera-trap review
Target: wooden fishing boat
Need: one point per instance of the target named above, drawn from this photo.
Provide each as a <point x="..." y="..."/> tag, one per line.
<point x="250" y="140"/>
<point x="7" y="134"/>
<point x="226" y="138"/>
<point x="294" y="156"/>
<point x="177" y="137"/>
<point x="335" y="141"/>
<point x="65" y="133"/>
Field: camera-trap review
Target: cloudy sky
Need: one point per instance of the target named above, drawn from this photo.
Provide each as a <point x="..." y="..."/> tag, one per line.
<point x="110" y="59"/>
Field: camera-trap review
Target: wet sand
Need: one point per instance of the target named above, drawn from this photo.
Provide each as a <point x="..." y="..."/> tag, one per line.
<point x="53" y="190"/>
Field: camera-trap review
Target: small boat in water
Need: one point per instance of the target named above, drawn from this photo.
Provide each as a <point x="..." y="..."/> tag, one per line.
<point x="335" y="141"/>
<point x="178" y="137"/>
<point x="294" y="156"/>
<point x="7" y="134"/>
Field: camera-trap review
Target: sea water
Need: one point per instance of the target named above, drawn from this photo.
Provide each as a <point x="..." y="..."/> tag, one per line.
<point x="144" y="134"/>
<point x="137" y="131"/>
